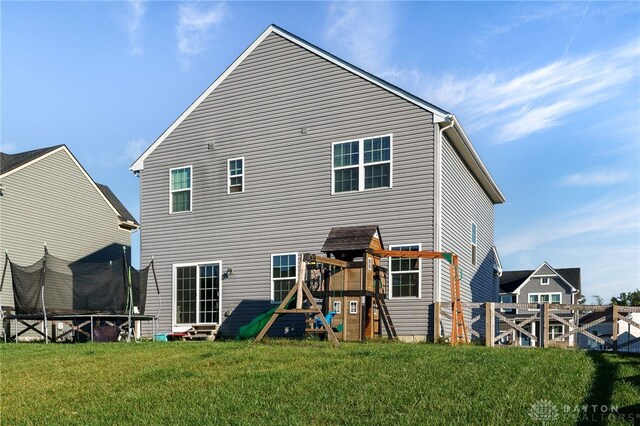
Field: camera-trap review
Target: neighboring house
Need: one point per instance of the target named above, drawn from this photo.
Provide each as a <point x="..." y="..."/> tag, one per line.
<point x="544" y="284"/>
<point x="627" y="333"/>
<point x="48" y="197"/>
<point x="287" y="143"/>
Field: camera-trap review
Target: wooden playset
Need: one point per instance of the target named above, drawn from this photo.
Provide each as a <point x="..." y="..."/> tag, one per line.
<point x="352" y="287"/>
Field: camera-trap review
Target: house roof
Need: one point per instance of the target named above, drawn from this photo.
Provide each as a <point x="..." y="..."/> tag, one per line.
<point x="510" y="281"/>
<point x="124" y="214"/>
<point x="12" y="163"/>
<point x="351" y="238"/>
<point x="455" y="133"/>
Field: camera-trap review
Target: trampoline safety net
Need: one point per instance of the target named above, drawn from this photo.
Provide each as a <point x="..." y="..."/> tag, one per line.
<point x="55" y="286"/>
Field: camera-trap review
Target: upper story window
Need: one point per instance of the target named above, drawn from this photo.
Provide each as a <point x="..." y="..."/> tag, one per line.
<point x="361" y="164"/>
<point x="284" y="272"/>
<point x="507" y="298"/>
<point x="180" y="188"/>
<point x="405" y="273"/>
<point x="544" y="281"/>
<point x="553" y="298"/>
<point x="235" y="175"/>
<point x="474" y="244"/>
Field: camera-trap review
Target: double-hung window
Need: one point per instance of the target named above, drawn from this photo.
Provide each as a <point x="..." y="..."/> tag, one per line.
<point x="405" y="273"/>
<point x="180" y="188"/>
<point x="235" y="175"/>
<point x="197" y="293"/>
<point x="361" y="164"/>
<point x="284" y="272"/>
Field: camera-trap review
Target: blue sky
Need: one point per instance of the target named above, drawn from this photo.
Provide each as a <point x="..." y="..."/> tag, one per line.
<point x="549" y="94"/>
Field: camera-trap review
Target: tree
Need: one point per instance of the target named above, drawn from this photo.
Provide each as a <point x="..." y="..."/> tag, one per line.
<point x="627" y="299"/>
<point x="597" y="300"/>
<point x="582" y="300"/>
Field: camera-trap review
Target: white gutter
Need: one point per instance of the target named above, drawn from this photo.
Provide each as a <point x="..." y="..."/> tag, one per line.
<point x="438" y="204"/>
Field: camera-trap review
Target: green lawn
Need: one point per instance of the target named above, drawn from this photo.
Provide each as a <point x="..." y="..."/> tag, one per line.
<point x="305" y="383"/>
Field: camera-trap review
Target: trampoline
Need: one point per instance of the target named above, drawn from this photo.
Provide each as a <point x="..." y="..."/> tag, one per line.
<point x="87" y="297"/>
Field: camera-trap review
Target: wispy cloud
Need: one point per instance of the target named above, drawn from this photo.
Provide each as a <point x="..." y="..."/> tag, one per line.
<point x="134" y="149"/>
<point x="362" y="32"/>
<point x="8" y="147"/>
<point x="196" y="24"/>
<point x="596" y="178"/>
<point x="132" y="19"/>
<point x="603" y="218"/>
<point x="519" y="105"/>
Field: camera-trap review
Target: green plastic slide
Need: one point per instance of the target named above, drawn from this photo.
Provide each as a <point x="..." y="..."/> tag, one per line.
<point x="251" y="330"/>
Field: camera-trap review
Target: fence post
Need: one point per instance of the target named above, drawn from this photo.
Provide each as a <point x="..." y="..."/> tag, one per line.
<point x="490" y="324"/>
<point x="544" y="325"/>
<point x="614" y="322"/>
<point x="436" y="321"/>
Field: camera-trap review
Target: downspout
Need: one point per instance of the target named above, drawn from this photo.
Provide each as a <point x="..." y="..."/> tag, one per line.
<point x="438" y="203"/>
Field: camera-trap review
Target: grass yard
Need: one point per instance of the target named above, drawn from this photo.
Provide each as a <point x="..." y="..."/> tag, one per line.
<point x="287" y="383"/>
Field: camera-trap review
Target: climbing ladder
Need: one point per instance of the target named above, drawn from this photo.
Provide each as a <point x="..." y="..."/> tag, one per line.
<point x="382" y="305"/>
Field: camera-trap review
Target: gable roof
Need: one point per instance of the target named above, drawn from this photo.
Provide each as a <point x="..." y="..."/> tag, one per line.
<point x="12" y="163"/>
<point x="9" y="162"/>
<point x="512" y="281"/>
<point x="351" y="238"/>
<point x="123" y="213"/>
<point x="457" y="135"/>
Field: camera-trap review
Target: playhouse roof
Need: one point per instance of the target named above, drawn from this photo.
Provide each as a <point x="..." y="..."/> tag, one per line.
<point x="351" y="238"/>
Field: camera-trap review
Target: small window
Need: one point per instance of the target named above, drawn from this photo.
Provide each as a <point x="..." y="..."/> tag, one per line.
<point x="337" y="307"/>
<point x="533" y="298"/>
<point x="353" y="307"/>
<point x="235" y="175"/>
<point x="180" y="188"/>
<point x="474" y="244"/>
<point x="555" y="298"/>
<point x="284" y="272"/>
<point x="544" y="281"/>
<point x="405" y="273"/>
<point x="361" y="164"/>
<point x="556" y="331"/>
<point x="507" y="298"/>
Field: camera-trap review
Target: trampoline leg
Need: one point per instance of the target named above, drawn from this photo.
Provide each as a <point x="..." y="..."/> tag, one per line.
<point x="91" y="328"/>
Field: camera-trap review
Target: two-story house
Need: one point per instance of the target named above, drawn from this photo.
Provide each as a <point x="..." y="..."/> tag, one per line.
<point x="542" y="285"/>
<point x="287" y="143"/>
<point x="47" y="197"/>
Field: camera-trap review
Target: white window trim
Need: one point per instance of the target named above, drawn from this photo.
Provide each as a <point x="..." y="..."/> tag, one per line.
<point x="174" y="292"/>
<point x="337" y="307"/>
<point x="361" y="164"/>
<point x="544" y="294"/>
<point x="240" y="175"/>
<point x="552" y="335"/>
<point x="277" y="302"/>
<point x="473" y="224"/>
<point x="545" y="278"/>
<point x="353" y="307"/>
<point x="171" y="191"/>
<point x="394" y="247"/>
<point x="507" y="310"/>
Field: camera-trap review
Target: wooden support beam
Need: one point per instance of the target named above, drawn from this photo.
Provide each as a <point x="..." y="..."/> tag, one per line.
<point x="311" y="258"/>
<point x="490" y="324"/>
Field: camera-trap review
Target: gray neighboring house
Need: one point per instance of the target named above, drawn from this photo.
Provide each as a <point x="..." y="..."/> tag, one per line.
<point x="543" y="284"/>
<point x="46" y="196"/>
<point x="287" y="143"/>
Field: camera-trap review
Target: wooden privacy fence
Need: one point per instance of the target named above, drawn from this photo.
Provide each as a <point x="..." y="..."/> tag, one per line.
<point x="601" y="327"/>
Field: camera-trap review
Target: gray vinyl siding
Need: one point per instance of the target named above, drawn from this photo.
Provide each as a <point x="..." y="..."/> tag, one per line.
<point x="464" y="202"/>
<point x="51" y="201"/>
<point x="287" y="206"/>
<point x="556" y="285"/>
